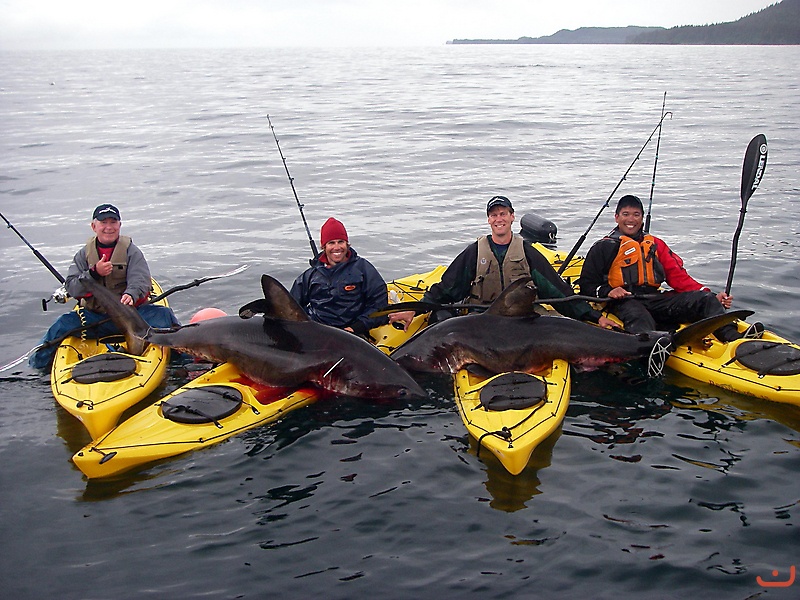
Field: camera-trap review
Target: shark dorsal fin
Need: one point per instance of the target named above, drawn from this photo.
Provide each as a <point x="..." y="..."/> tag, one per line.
<point x="517" y="300"/>
<point x="278" y="302"/>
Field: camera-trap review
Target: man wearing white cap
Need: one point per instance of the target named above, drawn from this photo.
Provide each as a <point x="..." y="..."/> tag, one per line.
<point x="114" y="261"/>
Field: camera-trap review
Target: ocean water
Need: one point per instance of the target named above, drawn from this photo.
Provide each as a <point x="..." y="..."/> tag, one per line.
<point x="664" y="489"/>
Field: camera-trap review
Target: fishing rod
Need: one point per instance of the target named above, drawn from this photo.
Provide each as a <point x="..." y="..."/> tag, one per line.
<point x="611" y="195"/>
<point x="153" y="300"/>
<point x="60" y="295"/>
<point x="36" y="253"/>
<point x="294" y="191"/>
<point x="655" y="166"/>
<point x="755" y="161"/>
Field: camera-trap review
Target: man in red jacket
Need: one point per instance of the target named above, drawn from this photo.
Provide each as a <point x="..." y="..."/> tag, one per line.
<point x="629" y="262"/>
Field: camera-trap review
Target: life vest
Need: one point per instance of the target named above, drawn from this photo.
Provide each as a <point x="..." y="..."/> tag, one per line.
<point x="635" y="264"/>
<point x="117" y="280"/>
<point x="491" y="278"/>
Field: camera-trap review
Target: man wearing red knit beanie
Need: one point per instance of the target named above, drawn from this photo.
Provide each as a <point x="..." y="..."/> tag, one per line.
<point x="341" y="289"/>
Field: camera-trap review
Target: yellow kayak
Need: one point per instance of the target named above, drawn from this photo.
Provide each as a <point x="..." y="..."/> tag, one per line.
<point x="406" y="289"/>
<point x="96" y="380"/>
<point x="207" y="410"/>
<point x="767" y="368"/>
<point x="221" y="403"/>
<point x="556" y="259"/>
<point x="512" y="413"/>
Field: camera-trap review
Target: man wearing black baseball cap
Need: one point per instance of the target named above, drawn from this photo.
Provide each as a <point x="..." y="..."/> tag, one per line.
<point x="106" y="211"/>
<point x="114" y="261"/>
<point x="499" y="201"/>
<point x="486" y="267"/>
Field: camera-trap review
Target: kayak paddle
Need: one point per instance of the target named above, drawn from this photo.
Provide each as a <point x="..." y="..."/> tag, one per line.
<point x="755" y="161"/>
<point x="421" y="307"/>
<point x="172" y="290"/>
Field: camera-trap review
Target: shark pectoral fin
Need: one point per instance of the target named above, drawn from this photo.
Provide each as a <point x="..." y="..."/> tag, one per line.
<point x="251" y="309"/>
<point x="126" y="318"/>
<point x="700" y="329"/>
<point x="135" y="343"/>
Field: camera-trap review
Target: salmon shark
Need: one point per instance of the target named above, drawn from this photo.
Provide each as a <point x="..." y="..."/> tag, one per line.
<point x="284" y="348"/>
<point x="127" y="319"/>
<point x="510" y="336"/>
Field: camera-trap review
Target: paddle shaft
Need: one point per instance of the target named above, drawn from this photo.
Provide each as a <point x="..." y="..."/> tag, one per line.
<point x="195" y="283"/>
<point x="755" y="161"/>
<point x="424" y="307"/>
<point x="582" y="239"/>
<point x="294" y="191"/>
<point x="72" y="332"/>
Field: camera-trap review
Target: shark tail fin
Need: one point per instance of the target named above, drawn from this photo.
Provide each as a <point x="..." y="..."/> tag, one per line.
<point x="702" y="328"/>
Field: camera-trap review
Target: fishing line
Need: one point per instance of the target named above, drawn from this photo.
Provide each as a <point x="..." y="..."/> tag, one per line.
<point x="655" y="166"/>
<point x="294" y="191"/>
<point x="611" y="195"/>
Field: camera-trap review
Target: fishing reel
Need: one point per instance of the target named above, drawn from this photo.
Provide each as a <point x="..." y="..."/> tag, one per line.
<point x="60" y="295"/>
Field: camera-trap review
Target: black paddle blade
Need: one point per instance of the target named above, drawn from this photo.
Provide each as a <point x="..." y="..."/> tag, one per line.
<point x="701" y="329"/>
<point x="755" y="160"/>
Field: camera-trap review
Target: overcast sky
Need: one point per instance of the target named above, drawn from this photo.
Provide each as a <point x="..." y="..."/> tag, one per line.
<point x="34" y="24"/>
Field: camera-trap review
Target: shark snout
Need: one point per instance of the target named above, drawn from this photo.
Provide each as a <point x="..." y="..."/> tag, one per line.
<point x="413" y="392"/>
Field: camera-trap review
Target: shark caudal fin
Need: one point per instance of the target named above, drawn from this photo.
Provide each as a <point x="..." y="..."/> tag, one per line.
<point x="700" y="329"/>
<point x="126" y="318"/>
<point x="277" y="303"/>
<point x="517" y="300"/>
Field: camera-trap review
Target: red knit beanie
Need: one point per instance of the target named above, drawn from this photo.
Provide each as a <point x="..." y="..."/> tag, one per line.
<point x="332" y="230"/>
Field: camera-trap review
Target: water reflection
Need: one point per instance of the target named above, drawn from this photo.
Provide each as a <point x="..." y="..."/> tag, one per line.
<point x="70" y="429"/>
<point x="607" y="409"/>
<point x="604" y="409"/>
<point x="728" y="408"/>
<point x="510" y="493"/>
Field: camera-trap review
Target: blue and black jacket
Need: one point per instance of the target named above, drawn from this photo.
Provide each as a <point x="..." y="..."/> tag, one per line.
<point x="343" y="295"/>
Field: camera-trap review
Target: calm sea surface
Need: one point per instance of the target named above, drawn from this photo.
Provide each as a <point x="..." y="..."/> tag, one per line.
<point x="670" y="489"/>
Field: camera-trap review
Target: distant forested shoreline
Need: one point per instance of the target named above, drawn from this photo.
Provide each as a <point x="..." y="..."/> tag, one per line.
<point x="778" y="24"/>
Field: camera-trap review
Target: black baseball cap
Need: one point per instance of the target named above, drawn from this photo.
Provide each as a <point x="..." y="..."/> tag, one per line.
<point x="499" y="201"/>
<point x="629" y="200"/>
<point x="106" y="211"/>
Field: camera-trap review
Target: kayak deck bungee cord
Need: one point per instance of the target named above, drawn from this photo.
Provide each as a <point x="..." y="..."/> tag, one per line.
<point x="96" y="380"/>
<point x="510" y="414"/>
<point x="766" y="368"/>
<point x="219" y="404"/>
